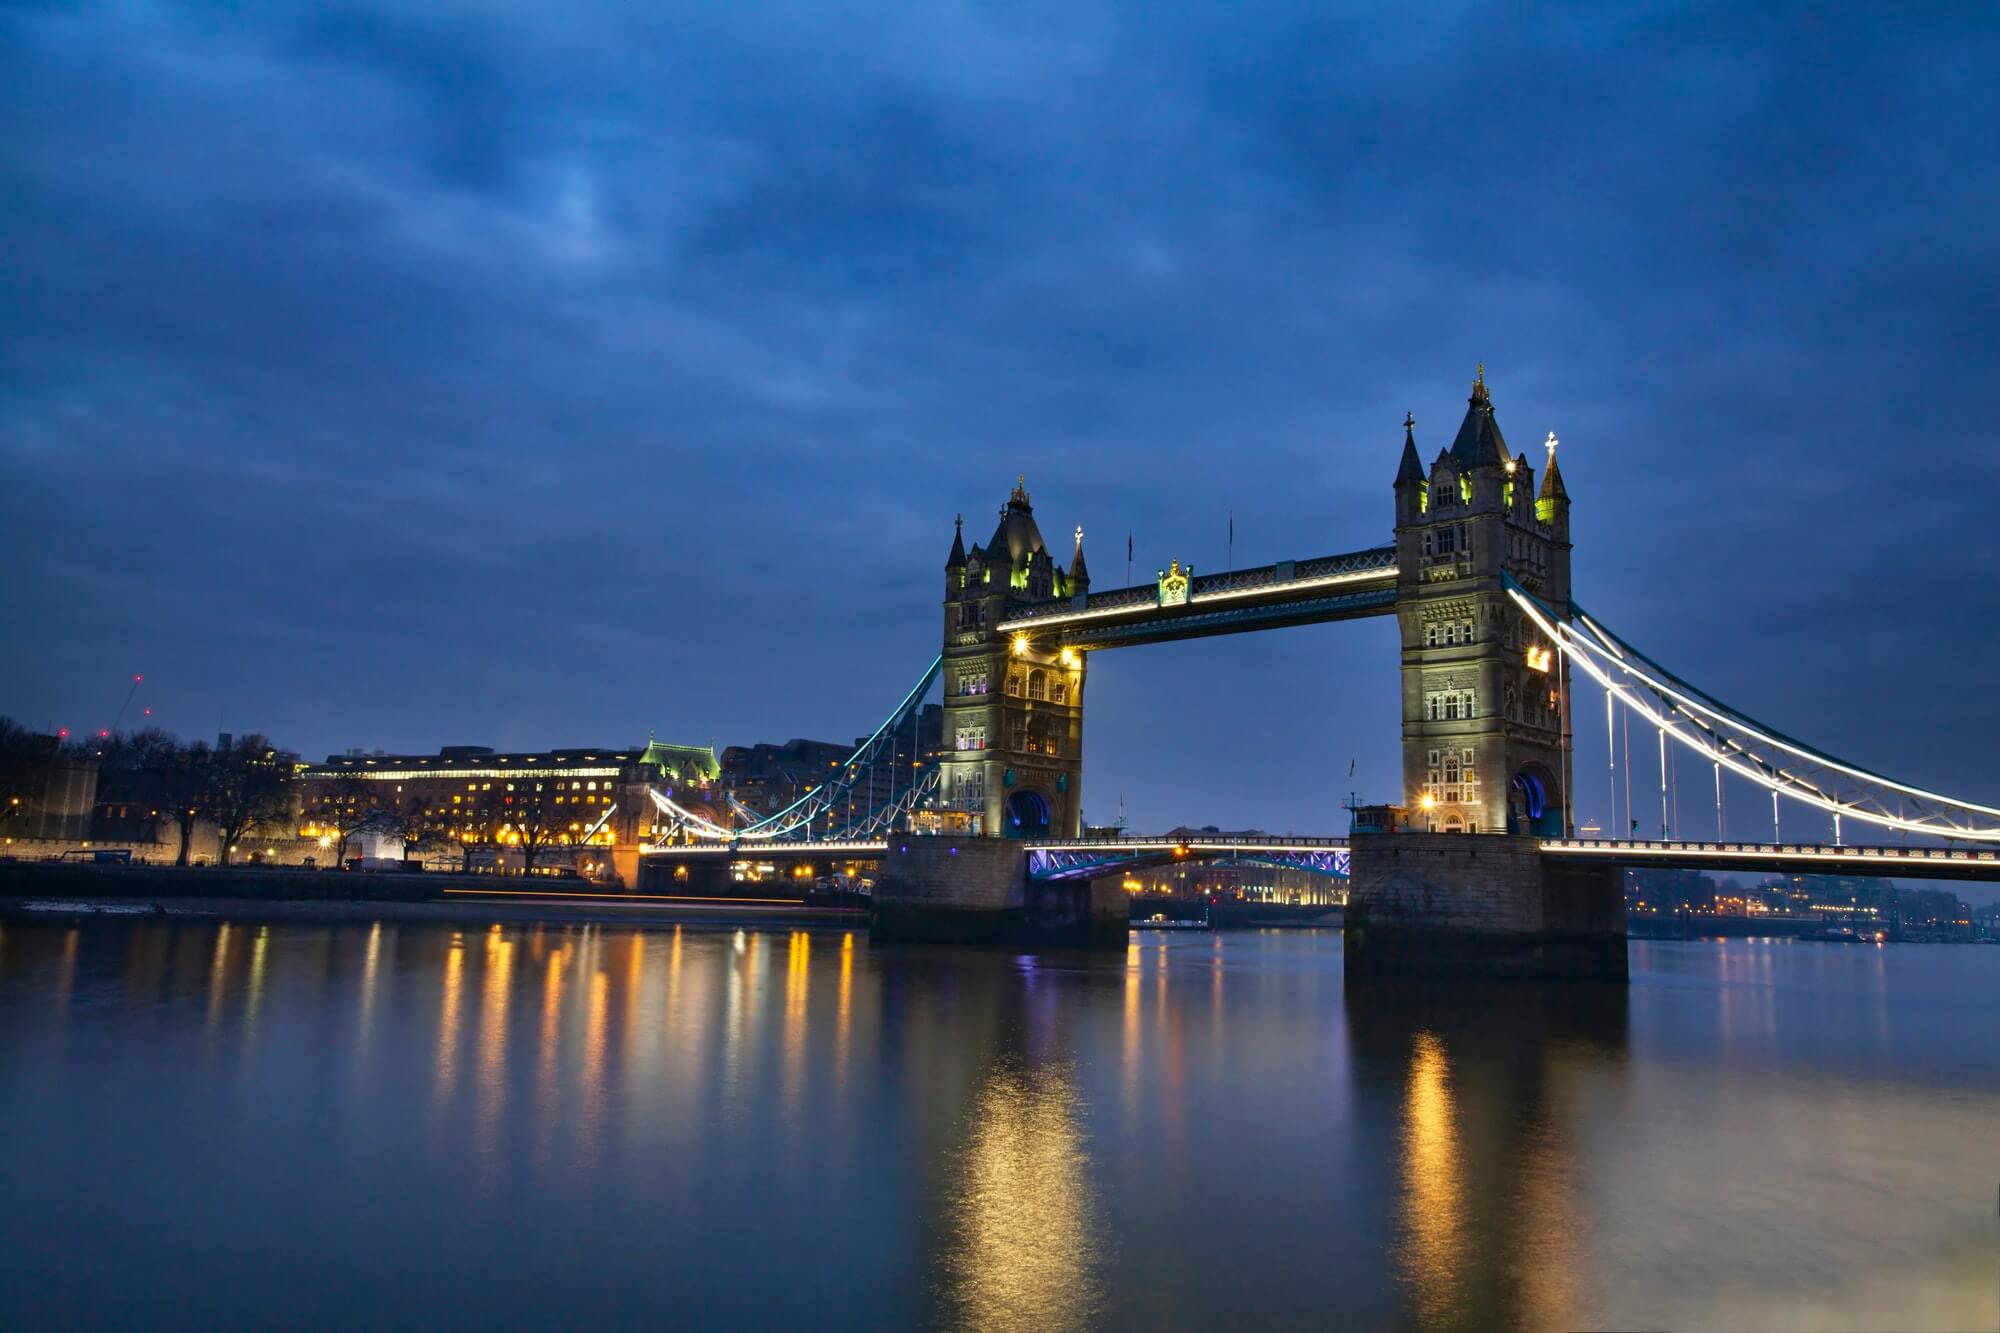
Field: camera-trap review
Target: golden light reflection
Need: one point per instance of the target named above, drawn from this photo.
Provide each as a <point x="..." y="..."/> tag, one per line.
<point x="741" y="1002"/>
<point x="798" y="980"/>
<point x="447" y="1049"/>
<point x="595" y="1021"/>
<point x="1023" y="1243"/>
<point x="635" y="973"/>
<point x="1433" y="1207"/>
<point x="1129" y="1087"/>
<point x="495" y="1000"/>
<point x="843" y="1013"/>
<point x="797" y="983"/>
<point x="369" y="964"/>
<point x="217" y="974"/>
<point x="254" y="998"/>
<point x="673" y="977"/>
<point x="546" y="1087"/>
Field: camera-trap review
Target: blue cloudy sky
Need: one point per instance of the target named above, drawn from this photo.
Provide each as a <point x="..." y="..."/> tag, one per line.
<point x="395" y="375"/>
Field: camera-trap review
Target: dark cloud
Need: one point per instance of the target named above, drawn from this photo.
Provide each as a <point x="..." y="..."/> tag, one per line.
<point x="532" y="375"/>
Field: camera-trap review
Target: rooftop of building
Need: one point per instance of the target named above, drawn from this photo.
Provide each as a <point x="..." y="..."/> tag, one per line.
<point x="684" y="762"/>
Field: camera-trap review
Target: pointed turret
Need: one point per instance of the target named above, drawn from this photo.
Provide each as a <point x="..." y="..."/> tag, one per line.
<point x="1079" y="573"/>
<point x="1552" y="477"/>
<point x="1411" y="468"/>
<point x="956" y="560"/>
<point x="1412" y="487"/>
<point x="1479" y="443"/>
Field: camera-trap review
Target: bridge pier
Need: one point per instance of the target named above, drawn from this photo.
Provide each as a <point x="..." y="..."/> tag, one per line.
<point x="1478" y="904"/>
<point x="977" y="891"/>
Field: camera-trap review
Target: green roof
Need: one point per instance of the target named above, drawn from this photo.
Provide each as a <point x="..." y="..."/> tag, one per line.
<point x="682" y="758"/>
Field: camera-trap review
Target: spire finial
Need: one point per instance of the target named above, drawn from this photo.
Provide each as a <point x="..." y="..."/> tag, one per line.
<point x="1409" y="423"/>
<point x="958" y="523"/>
<point x="1479" y="385"/>
<point x="1020" y="495"/>
<point x="1551" y="443"/>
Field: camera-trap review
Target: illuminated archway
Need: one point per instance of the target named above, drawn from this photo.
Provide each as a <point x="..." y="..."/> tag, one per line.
<point x="1028" y="815"/>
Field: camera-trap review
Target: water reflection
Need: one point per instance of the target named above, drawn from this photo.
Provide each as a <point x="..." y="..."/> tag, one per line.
<point x="586" y="1126"/>
<point x="496" y="998"/>
<point x="547" y="1085"/>
<point x="1489" y="1230"/>
<point x="217" y="978"/>
<point x="253" y="999"/>
<point x="1024" y="1246"/>
<point x="798" y="985"/>
<point x="1433" y="1205"/>
<point x="370" y="978"/>
<point x="593" y="1092"/>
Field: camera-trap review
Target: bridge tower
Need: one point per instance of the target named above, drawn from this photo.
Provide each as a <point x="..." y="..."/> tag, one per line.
<point x="1013" y="705"/>
<point x="1485" y="701"/>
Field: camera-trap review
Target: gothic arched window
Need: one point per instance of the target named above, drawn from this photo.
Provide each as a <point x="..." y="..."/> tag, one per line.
<point x="1038" y="685"/>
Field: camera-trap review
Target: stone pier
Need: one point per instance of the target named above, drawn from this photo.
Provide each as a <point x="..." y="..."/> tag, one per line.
<point x="1481" y="904"/>
<point x="977" y="891"/>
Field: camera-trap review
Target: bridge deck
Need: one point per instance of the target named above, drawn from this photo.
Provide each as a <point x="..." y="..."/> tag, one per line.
<point x="1796" y="857"/>
<point x="1071" y="856"/>
<point x="1290" y="592"/>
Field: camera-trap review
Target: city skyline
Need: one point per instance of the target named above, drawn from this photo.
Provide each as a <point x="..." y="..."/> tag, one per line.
<point x="527" y="387"/>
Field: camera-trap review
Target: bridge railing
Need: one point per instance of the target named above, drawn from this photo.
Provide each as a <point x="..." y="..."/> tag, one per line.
<point x="1198" y="841"/>
<point x="1825" y="851"/>
<point x="753" y="851"/>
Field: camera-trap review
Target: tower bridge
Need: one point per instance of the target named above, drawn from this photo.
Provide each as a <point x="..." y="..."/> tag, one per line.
<point x="1492" y="645"/>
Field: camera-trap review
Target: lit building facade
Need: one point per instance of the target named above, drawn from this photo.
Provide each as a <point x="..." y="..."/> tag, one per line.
<point x="502" y="809"/>
<point x="1012" y="727"/>
<point x="1485" y="703"/>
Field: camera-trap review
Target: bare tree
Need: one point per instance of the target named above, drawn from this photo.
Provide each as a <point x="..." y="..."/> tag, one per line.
<point x="129" y="772"/>
<point x="536" y="822"/>
<point x="429" y="830"/>
<point x="179" y="773"/>
<point x="247" y="788"/>
<point x="353" y="801"/>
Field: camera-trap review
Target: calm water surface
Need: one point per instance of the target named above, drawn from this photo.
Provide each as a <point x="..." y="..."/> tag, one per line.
<point x="397" y="1125"/>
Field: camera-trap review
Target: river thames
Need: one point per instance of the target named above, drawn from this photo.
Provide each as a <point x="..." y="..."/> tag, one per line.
<point x="335" y="1126"/>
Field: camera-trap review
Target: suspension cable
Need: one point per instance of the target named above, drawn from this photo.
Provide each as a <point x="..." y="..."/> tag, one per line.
<point x="1599" y="654"/>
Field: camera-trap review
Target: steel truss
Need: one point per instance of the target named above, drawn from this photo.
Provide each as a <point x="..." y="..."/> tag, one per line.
<point x="796" y="822"/>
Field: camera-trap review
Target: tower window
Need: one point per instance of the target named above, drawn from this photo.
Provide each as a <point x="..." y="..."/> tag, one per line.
<point x="1448" y="705"/>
